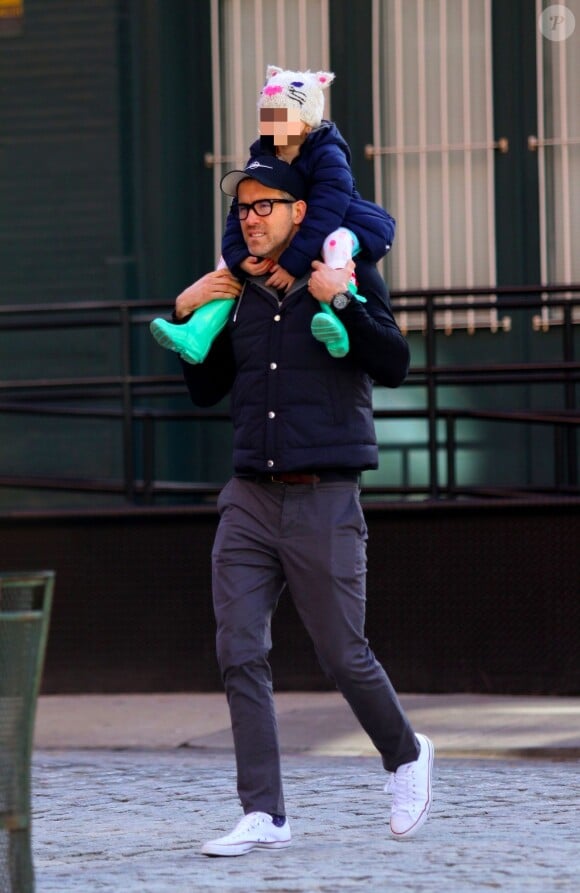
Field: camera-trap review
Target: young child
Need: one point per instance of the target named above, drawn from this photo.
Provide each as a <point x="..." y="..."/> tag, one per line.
<point x="338" y="225"/>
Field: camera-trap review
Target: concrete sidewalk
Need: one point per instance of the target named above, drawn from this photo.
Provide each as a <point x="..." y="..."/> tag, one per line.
<point x="317" y="723"/>
<point x="127" y="788"/>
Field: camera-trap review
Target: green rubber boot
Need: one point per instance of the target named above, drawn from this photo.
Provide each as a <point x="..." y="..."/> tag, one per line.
<point x="327" y="328"/>
<point x="193" y="339"/>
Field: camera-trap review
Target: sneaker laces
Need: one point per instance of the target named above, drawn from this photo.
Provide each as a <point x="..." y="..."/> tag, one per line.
<point x="402" y="787"/>
<point x="250" y="821"/>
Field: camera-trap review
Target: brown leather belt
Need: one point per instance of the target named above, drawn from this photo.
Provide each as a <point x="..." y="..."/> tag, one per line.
<point x="304" y="477"/>
<point x="294" y="477"/>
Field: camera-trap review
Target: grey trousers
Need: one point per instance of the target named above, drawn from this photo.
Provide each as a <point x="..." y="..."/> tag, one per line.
<point x="311" y="540"/>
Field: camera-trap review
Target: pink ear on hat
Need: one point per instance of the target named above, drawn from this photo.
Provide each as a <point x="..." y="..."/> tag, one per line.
<point x="325" y="78"/>
<point x="272" y="70"/>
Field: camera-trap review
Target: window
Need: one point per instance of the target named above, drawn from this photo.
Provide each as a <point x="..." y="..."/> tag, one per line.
<point x="247" y="36"/>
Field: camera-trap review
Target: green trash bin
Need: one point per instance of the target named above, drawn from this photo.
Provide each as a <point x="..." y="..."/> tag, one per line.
<point x="25" y="605"/>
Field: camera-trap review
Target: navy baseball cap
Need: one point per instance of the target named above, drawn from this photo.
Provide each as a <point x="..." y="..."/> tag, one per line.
<point x="269" y="171"/>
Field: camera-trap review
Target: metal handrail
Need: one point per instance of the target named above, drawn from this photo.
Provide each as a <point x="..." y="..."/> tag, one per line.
<point x="53" y="396"/>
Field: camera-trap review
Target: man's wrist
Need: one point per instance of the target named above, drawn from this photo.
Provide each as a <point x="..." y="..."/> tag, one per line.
<point x="183" y="318"/>
<point x="181" y="315"/>
<point x="183" y="310"/>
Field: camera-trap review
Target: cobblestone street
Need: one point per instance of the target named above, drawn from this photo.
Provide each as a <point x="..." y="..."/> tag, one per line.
<point x="133" y="821"/>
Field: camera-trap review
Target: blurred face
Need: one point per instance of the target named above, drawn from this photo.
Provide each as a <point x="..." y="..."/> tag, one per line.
<point x="268" y="236"/>
<point x="284" y="125"/>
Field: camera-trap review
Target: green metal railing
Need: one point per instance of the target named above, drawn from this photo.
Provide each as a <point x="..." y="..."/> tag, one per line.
<point x="141" y="403"/>
<point x="25" y="607"/>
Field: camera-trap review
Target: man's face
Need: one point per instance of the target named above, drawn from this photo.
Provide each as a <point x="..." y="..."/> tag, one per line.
<point x="268" y="236"/>
<point x="283" y="124"/>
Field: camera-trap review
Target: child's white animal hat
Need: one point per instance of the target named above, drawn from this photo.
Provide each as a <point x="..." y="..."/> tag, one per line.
<point x="286" y="89"/>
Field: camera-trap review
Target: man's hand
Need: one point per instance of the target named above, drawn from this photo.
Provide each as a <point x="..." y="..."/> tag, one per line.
<point x="217" y="284"/>
<point x="325" y="282"/>
<point x="280" y="278"/>
<point x="256" y="266"/>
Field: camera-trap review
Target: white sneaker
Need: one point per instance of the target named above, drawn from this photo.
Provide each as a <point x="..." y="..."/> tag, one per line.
<point x="410" y="786"/>
<point x="255" y="831"/>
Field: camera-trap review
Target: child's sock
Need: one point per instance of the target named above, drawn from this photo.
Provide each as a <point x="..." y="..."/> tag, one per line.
<point x="338" y="248"/>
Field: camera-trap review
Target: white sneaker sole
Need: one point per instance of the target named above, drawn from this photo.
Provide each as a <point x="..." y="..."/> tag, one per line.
<point x="240" y="849"/>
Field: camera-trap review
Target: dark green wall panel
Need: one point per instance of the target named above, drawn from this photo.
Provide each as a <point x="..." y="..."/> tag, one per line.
<point x="60" y="218"/>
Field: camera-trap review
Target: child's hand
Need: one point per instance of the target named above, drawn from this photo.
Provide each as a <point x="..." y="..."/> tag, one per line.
<point x="280" y="278"/>
<point x="256" y="266"/>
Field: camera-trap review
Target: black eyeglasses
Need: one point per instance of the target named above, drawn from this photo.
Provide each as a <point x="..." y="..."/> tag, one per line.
<point x="263" y="207"/>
